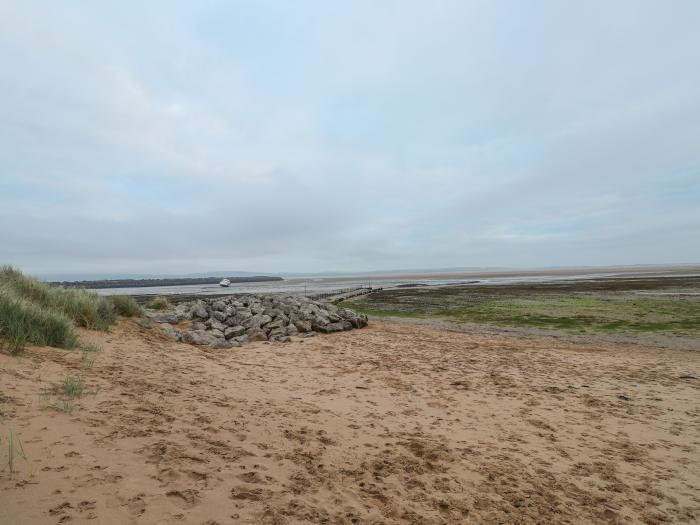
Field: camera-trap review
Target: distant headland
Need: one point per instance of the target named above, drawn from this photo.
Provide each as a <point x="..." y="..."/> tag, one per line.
<point x="140" y="283"/>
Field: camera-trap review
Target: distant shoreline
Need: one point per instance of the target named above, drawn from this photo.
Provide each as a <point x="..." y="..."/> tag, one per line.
<point x="143" y="283"/>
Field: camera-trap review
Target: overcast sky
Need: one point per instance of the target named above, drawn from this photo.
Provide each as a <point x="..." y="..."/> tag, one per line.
<point x="174" y="137"/>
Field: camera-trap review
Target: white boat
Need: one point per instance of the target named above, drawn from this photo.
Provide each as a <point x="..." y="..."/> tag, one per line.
<point x="225" y="283"/>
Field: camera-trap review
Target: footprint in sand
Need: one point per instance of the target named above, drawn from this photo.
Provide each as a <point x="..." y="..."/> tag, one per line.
<point x="185" y="499"/>
<point x="136" y="505"/>
<point x="245" y="493"/>
<point x="252" y="477"/>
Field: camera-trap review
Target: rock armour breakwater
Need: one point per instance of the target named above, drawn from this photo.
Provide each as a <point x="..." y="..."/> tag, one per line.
<point x="237" y="319"/>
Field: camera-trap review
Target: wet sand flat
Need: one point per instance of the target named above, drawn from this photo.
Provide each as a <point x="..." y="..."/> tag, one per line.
<point x="395" y="423"/>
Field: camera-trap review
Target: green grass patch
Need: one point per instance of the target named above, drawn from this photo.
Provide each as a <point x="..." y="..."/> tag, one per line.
<point x="573" y="312"/>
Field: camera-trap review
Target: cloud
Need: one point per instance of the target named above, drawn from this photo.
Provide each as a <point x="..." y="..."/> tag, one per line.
<point x="177" y="137"/>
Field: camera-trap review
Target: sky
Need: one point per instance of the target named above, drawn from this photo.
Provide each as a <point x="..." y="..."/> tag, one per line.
<point x="170" y="137"/>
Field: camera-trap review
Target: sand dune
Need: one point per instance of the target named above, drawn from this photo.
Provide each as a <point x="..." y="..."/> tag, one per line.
<point x="391" y="424"/>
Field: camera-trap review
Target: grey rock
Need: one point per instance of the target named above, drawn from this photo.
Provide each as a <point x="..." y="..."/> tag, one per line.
<point x="215" y="325"/>
<point x="218" y="306"/>
<point x="255" y="334"/>
<point x="199" y="311"/>
<point x="276" y="334"/>
<point x="272" y="312"/>
<point x="170" y="331"/>
<point x="320" y="320"/>
<point x="229" y="310"/>
<point x="234" y="331"/>
<point x="330" y="328"/>
<point x="219" y="315"/>
<point x="272" y="325"/>
<point x="199" y="337"/>
<point x="257" y="321"/>
<point x="303" y="326"/>
<point x="291" y="329"/>
<point x="243" y="313"/>
<point x="163" y="317"/>
<point x="183" y="311"/>
<point x="198" y="326"/>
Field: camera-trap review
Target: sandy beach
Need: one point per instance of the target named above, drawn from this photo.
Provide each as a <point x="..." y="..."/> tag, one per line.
<point x="394" y="423"/>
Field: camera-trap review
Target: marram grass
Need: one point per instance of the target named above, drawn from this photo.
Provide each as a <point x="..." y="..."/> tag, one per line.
<point x="24" y="322"/>
<point x="32" y="312"/>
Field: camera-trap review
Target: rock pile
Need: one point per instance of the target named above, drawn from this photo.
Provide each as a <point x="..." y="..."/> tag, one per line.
<point x="234" y="320"/>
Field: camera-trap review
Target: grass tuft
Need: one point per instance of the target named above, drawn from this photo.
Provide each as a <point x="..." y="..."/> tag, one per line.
<point x="13" y="442"/>
<point x="125" y="306"/>
<point x="71" y="388"/>
<point x="159" y="303"/>
<point x="87" y="353"/>
<point x="66" y="392"/>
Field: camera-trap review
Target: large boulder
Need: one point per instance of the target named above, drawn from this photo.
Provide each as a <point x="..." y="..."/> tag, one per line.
<point x="257" y="321"/>
<point x="163" y="317"/>
<point x="330" y="328"/>
<point x="219" y="315"/>
<point x="214" y="324"/>
<point x="234" y="331"/>
<point x="183" y="311"/>
<point x="200" y="337"/>
<point x="303" y="326"/>
<point x="170" y="332"/>
<point x="199" y="311"/>
<point x="218" y="306"/>
<point x="272" y="325"/>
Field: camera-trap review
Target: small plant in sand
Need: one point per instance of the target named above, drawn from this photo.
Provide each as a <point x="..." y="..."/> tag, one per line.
<point x="88" y="353"/>
<point x="65" y="393"/>
<point x="71" y="387"/>
<point x="14" y="450"/>
<point x="159" y="303"/>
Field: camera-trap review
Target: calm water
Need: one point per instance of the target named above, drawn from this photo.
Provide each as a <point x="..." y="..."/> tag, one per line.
<point x="318" y="285"/>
